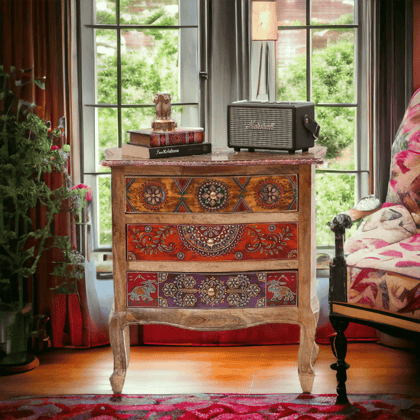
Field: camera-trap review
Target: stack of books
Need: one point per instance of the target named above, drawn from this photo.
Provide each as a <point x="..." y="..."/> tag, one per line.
<point x="149" y="144"/>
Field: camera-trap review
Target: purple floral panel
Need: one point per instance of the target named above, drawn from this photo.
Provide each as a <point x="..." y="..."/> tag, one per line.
<point x="215" y="290"/>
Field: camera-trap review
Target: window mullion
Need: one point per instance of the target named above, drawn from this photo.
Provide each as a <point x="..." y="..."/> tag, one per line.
<point x="119" y="99"/>
<point x="308" y="52"/>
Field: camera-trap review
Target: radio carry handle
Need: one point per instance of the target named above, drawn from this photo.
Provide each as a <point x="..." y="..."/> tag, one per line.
<point x="311" y="125"/>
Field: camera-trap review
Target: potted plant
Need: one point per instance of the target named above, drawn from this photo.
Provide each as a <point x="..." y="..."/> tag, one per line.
<point x="69" y="266"/>
<point x="27" y="152"/>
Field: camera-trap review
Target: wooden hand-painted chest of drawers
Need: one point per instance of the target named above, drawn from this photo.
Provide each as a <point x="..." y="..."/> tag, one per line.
<point x="214" y="242"/>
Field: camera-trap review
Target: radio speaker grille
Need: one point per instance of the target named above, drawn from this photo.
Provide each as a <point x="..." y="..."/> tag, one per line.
<point x="276" y="131"/>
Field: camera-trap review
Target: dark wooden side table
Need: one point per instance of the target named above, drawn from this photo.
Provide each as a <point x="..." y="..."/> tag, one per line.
<point x="214" y="242"/>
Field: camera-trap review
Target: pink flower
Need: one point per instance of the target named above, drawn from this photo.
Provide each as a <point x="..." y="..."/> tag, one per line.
<point x="88" y="193"/>
<point x="80" y="186"/>
<point x="54" y="147"/>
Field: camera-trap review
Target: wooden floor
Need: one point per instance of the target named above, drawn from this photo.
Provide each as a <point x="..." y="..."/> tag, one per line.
<point x="170" y="370"/>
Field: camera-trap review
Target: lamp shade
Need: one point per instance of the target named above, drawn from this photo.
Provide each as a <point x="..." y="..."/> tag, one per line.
<point x="264" y="21"/>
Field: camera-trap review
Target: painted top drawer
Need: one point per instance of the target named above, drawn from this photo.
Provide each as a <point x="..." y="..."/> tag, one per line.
<point x="220" y="194"/>
<point x="197" y="242"/>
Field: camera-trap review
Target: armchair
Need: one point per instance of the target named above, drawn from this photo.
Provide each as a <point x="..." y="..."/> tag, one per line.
<point x="375" y="275"/>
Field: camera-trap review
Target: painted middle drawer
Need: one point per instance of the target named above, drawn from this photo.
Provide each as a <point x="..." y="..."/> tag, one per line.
<point x="177" y="242"/>
<point x="220" y="194"/>
<point x="221" y="290"/>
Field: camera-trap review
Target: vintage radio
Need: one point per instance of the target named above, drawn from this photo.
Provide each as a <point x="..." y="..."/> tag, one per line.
<point x="272" y="125"/>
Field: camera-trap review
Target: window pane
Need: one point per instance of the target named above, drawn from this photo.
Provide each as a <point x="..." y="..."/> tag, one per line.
<point x="337" y="12"/>
<point x="150" y="12"/>
<point x="105" y="220"/>
<point x="106" y="66"/>
<point x="137" y="118"/>
<point x="338" y="133"/>
<point x="107" y="133"/>
<point x="334" y="194"/>
<point x="291" y="12"/>
<point x="106" y="12"/>
<point x="333" y="75"/>
<point x="291" y="65"/>
<point x="149" y="64"/>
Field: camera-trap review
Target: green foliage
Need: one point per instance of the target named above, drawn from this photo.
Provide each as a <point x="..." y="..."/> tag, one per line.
<point x="332" y="82"/>
<point x="26" y="154"/>
<point x="334" y="194"/>
<point x="141" y="13"/>
<point x="105" y="206"/>
<point x="70" y="269"/>
<point x="145" y="71"/>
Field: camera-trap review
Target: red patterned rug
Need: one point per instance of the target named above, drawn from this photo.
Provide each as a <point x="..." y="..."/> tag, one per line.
<point x="211" y="406"/>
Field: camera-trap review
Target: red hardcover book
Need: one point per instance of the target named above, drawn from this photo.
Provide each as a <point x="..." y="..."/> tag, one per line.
<point x="177" y="137"/>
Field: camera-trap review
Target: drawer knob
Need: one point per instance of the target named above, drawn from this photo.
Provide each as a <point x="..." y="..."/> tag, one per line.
<point x="210" y="243"/>
<point x="211" y="291"/>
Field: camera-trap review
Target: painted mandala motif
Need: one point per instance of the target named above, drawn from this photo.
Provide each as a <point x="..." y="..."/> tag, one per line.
<point x="189" y="300"/>
<point x="210" y="240"/>
<point x="269" y="194"/>
<point x="153" y="195"/>
<point x="241" y="290"/>
<point x="169" y="289"/>
<point x="212" y="291"/>
<point x="182" y="290"/>
<point x="212" y="195"/>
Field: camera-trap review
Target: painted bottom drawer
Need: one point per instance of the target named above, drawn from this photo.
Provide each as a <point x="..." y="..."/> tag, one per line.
<point x="210" y="290"/>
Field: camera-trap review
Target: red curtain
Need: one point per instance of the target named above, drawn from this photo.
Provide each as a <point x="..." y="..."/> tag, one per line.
<point x="32" y="37"/>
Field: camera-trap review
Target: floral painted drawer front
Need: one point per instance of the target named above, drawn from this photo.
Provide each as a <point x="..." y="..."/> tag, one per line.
<point x="200" y="290"/>
<point x="262" y="241"/>
<point x="222" y="194"/>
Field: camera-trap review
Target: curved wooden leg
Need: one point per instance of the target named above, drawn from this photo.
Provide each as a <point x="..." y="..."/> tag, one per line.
<point x="127" y="343"/>
<point x="339" y="348"/>
<point x="119" y="335"/>
<point x="308" y="352"/>
<point x="315" y="349"/>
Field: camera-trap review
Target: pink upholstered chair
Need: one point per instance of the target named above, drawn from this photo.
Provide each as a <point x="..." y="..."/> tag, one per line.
<point x="375" y="275"/>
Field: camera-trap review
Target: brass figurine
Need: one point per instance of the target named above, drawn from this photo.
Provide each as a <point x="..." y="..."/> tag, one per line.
<point x="163" y="121"/>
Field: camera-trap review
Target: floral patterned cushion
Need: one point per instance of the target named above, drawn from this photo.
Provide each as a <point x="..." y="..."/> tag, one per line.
<point x="384" y="291"/>
<point x="382" y="228"/>
<point x="404" y="184"/>
<point x="401" y="257"/>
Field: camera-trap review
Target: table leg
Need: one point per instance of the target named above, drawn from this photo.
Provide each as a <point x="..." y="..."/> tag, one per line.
<point x="308" y="352"/>
<point x="119" y="335"/>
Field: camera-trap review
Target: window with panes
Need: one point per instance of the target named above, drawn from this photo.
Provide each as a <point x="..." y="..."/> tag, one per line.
<point x="132" y="49"/>
<point x="317" y="60"/>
